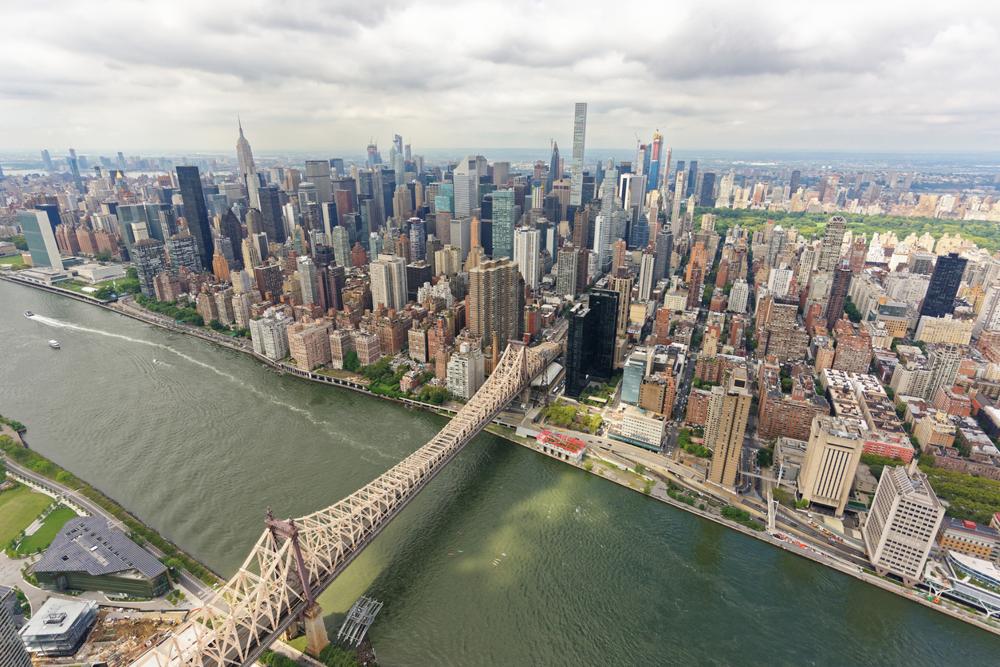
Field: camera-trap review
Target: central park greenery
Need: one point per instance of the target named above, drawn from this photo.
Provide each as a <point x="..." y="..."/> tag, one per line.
<point x="982" y="232"/>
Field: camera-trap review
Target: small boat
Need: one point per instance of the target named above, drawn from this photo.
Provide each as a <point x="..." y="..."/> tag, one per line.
<point x="28" y="314"/>
<point x="54" y="344"/>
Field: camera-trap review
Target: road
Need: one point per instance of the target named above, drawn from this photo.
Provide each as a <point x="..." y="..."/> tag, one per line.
<point x="186" y="580"/>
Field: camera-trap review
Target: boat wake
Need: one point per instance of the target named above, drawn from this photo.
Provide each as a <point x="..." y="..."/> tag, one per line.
<point x="52" y="322"/>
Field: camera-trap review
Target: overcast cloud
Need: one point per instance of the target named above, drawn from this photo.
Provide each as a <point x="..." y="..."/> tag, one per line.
<point x="304" y="75"/>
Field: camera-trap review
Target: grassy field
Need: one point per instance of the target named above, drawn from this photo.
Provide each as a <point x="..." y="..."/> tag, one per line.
<point x="14" y="260"/>
<point x="18" y="508"/>
<point x="47" y="531"/>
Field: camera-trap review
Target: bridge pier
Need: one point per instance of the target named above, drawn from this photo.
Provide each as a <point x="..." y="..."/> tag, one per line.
<point x="316" y="637"/>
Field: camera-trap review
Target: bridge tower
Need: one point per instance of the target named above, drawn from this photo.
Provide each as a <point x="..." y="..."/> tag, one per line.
<point x="312" y="618"/>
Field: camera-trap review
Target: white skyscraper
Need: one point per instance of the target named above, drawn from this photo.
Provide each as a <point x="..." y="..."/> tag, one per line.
<point x="307" y="279"/>
<point x="341" y="241"/>
<point x="466" y="186"/>
<point x="603" y="238"/>
<point x="646" y="275"/>
<point x="388" y="282"/>
<point x="738" y="297"/>
<point x="576" y="169"/>
<point x="527" y="248"/>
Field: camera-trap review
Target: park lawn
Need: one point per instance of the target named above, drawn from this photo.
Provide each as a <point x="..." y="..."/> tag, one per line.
<point x="14" y="260"/>
<point x="46" y="532"/>
<point x="18" y="508"/>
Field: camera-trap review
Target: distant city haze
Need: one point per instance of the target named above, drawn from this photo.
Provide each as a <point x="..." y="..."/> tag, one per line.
<point x="332" y="75"/>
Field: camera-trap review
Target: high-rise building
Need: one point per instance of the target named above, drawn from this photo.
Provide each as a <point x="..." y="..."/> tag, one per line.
<point x="504" y="219"/>
<point x="388" y="282"/>
<point x="12" y="650"/>
<point x="41" y="239"/>
<point x="566" y="270"/>
<point x="182" y="253"/>
<point x="495" y="301"/>
<point x="149" y="259"/>
<point x="196" y="212"/>
<point x="579" y="139"/>
<point x="832" y="457"/>
<point x="308" y="281"/>
<point x="466" y="371"/>
<point x="501" y="174"/>
<point x="418" y="239"/>
<point x="554" y="173"/>
<point x="247" y="170"/>
<point x="664" y="247"/>
<point x="833" y="238"/>
<point x="903" y="522"/>
<point x="838" y="294"/>
<point x="527" y="255"/>
<point x="270" y="211"/>
<point x="647" y="278"/>
<point x="590" y="342"/>
<point x="728" y="410"/>
<point x="466" y="181"/>
<point x="341" y="242"/>
<point x="945" y="281"/>
<point x="738" y="296"/>
<point x="268" y="334"/>
<point x="655" y="151"/>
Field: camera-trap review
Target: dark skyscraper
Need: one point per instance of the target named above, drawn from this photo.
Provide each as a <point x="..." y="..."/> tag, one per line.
<point x="590" y="343"/>
<point x="941" y="291"/>
<point x="664" y="246"/>
<point x="707" y="195"/>
<point x="692" y="177"/>
<point x="196" y="212"/>
<point x="553" y="168"/>
<point x="793" y="182"/>
<point x="838" y="294"/>
<point x="232" y="231"/>
<point x="270" y="212"/>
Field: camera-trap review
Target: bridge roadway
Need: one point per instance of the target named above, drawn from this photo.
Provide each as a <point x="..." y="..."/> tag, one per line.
<point x="295" y="560"/>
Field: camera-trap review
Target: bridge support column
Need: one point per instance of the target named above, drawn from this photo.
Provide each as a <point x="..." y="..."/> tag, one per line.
<point x="316" y="637"/>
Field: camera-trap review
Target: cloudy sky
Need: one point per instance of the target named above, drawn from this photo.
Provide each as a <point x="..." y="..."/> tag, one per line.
<point x="310" y="75"/>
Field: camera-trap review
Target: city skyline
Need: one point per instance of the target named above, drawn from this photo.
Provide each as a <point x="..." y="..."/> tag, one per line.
<point x="718" y="76"/>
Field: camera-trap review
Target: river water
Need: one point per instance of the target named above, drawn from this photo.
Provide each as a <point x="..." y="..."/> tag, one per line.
<point x="507" y="558"/>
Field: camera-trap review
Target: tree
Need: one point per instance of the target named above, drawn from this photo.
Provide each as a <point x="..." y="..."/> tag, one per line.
<point x="352" y="362"/>
<point x="765" y="457"/>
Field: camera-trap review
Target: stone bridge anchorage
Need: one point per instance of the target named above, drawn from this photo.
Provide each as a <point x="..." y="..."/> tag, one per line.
<point x="295" y="560"/>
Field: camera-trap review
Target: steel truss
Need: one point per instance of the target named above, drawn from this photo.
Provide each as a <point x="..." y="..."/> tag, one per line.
<point x="293" y="561"/>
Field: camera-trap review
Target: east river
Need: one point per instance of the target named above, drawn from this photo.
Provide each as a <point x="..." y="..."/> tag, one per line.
<point x="507" y="558"/>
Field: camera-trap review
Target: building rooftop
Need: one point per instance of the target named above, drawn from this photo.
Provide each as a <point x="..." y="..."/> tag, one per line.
<point x="89" y="544"/>
<point x="972" y="527"/>
<point x="56" y="617"/>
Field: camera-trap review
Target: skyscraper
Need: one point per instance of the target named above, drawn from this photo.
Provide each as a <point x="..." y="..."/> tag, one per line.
<point x="504" y="219"/>
<point x="728" y="409"/>
<point x="40" y="238"/>
<point x="566" y="270"/>
<point x="466" y="180"/>
<point x="248" y="172"/>
<point x="388" y="282"/>
<point x="945" y="281"/>
<point x="903" y="521"/>
<point x="496" y="301"/>
<point x="833" y="237"/>
<point x="12" y="650"/>
<point x="590" y="342"/>
<point x="554" y="173"/>
<point x="196" y="212"/>
<point x="579" y="138"/>
<point x="655" y="150"/>
<point x="149" y="260"/>
<point x="418" y="239"/>
<point x="527" y="248"/>
<point x="838" y="294"/>
<point x="308" y="280"/>
<point x="647" y="278"/>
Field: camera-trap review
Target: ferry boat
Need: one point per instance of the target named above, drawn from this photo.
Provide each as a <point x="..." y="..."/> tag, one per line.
<point x="54" y="344"/>
<point x="28" y="314"/>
